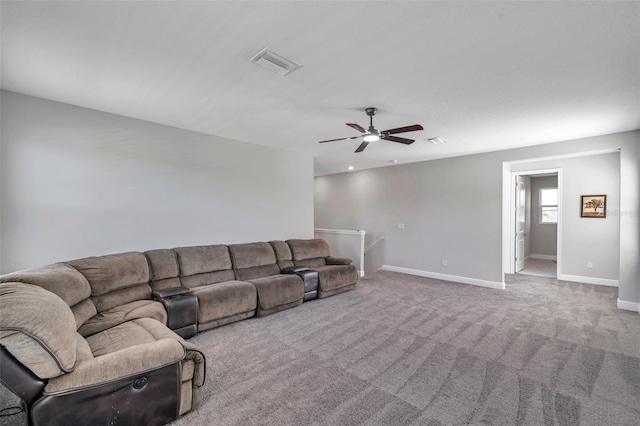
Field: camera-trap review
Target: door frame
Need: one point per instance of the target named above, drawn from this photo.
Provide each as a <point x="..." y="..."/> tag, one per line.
<point x="508" y="212"/>
<point x="518" y="204"/>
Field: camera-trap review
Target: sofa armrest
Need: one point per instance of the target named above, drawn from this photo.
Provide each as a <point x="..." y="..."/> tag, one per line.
<point x="337" y="261"/>
<point x="170" y="292"/>
<point x="294" y="269"/>
<point x="194" y="354"/>
<point x="134" y="360"/>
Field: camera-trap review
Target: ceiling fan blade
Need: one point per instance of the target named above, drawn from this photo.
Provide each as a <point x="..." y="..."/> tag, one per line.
<point x="341" y="139"/>
<point x="405" y="129"/>
<point x="357" y="127"/>
<point x="397" y="139"/>
<point x="362" y="146"/>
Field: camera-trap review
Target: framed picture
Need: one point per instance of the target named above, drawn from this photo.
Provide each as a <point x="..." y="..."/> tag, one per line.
<point x="593" y="206"/>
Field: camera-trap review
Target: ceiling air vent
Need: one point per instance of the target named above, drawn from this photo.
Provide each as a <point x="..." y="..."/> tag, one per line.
<point x="275" y="62"/>
<point x="437" y="140"/>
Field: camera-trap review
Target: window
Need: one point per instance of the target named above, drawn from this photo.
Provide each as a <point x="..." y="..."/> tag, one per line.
<point x="549" y="205"/>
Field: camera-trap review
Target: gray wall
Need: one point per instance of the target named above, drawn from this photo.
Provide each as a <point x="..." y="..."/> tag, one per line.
<point x="452" y="209"/>
<point x="543" y="237"/>
<point x="77" y="182"/>
<point x="588" y="239"/>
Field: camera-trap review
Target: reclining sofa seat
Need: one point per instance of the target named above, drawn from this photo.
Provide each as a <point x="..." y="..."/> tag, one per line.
<point x="256" y="263"/>
<point x="124" y="366"/>
<point x="207" y="271"/>
<point x="335" y="274"/>
<point x="285" y="263"/>
<point x="120" y="290"/>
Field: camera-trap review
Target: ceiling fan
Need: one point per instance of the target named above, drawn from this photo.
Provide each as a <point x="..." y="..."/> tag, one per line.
<point x="372" y="134"/>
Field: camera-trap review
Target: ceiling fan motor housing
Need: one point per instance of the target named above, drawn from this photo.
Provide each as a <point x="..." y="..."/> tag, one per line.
<point x="371" y="111"/>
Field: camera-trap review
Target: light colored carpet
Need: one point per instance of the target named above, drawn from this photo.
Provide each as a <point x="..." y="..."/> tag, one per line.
<point x="405" y="350"/>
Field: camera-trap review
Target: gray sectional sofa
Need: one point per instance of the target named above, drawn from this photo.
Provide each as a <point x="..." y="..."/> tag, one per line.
<point x="102" y="339"/>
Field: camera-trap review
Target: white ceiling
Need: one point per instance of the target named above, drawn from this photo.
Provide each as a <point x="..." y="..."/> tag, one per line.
<point x="483" y="75"/>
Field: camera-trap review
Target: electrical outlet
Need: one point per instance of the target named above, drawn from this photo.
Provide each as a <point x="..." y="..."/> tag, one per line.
<point x="401" y="226"/>
<point x="589" y="265"/>
<point x="444" y="262"/>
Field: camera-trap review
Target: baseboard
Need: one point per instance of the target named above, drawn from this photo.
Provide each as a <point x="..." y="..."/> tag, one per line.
<point x="589" y="280"/>
<point x="446" y="277"/>
<point x="543" y="256"/>
<point x="629" y="306"/>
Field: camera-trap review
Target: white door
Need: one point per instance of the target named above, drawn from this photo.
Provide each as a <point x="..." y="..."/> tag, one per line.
<point x="520" y="212"/>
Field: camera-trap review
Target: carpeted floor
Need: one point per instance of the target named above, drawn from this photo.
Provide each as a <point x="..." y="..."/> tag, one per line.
<point x="405" y="350"/>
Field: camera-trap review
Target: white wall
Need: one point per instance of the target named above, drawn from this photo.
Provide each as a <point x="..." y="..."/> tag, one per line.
<point x="451" y="209"/>
<point x="78" y="182"/>
<point x="544" y="236"/>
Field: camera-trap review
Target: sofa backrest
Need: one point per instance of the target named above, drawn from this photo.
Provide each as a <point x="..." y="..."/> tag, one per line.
<point x="115" y="279"/>
<point x="38" y="329"/>
<point x="284" y="257"/>
<point x="163" y="268"/>
<point x="65" y="282"/>
<point x="253" y="260"/>
<point x="204" y="265"/>
<point x="309" y="253"/>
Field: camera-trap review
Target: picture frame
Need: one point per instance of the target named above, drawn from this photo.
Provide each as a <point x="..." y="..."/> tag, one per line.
<point x="593" y="206"/>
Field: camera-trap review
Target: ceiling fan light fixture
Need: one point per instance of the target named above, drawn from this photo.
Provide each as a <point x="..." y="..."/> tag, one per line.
<point x="372" y="137"/>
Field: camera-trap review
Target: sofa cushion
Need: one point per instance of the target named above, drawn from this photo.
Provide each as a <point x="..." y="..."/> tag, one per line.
<point x="38" y="329"/>
<point x="60" y="279"/>
<point x="278" y="290"/>
<point x="83" y="311"/>
<point x="203" y="259"/>
<point x="309" y="249"/>
<point x="122" y="336"/>
<point x="253" y="260"/>
<point x="163" y="269"/>
<point x="114" y="271"/>
<point x="311" y="263"/>
<point x="209" y="278"/>
<point x="284" y="257"/>
<point x="258" y="272"/>
<point x="224" y="300"/>
<point x="122" y="296"/>
<point x="251" y="255"/>
<point x="166" y="283"/>
<point x="83" y="352"/>
<point x="163" y="264"/>
<point x="332" y="277"/>
<point x="123" y="313"/>
<point x="64" y="281"/>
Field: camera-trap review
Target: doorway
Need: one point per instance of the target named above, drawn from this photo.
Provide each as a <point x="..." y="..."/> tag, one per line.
<point x="535" y="222"/>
